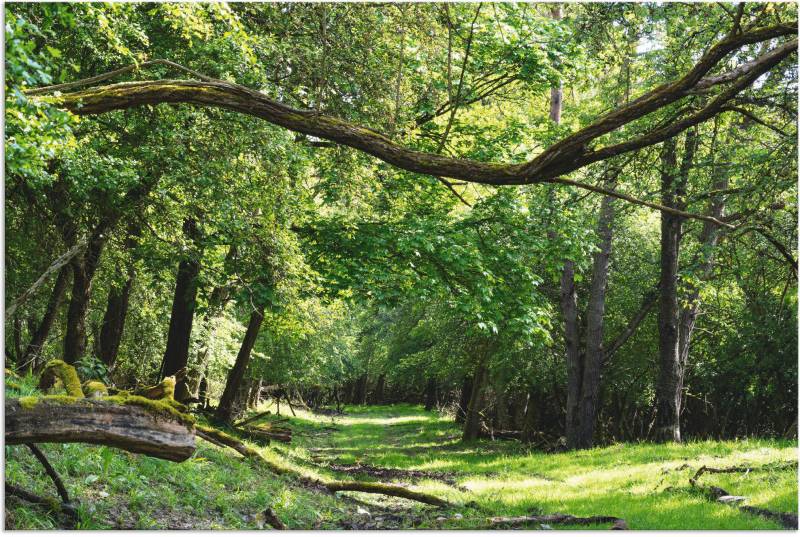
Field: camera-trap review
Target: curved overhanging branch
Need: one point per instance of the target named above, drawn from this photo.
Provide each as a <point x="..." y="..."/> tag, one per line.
<point x="570" y="154"/>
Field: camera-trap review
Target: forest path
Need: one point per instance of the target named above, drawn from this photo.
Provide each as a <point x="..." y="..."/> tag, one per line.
<point x="645" y="484"/>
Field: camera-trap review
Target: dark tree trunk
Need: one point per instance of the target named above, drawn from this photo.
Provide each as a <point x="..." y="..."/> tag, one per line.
<point x="463" y="403"/>
<point x="176" y="355"/>
<point x="83" y="271"/>
<point x="669" y="388"/>
<point x="360" y="390"/>
<point x="430" y="394"/>
<point x="117" y="308"/>
<point x="114" y="320"/>
<point x="593" y="359"/>
<point x="472" y="421"/>
<point x="225" y="407"/>
<point x="202" y="392"/>
<point x="379" y="389"/>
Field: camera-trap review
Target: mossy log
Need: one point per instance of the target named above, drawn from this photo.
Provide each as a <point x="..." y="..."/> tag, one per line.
<point x="388" y="490"/>
<point x="163" y="390"/>
<point x="126" y="423"/>
<point x="59" y="369"/>
<point x="215" y="436"/>
<point x="94" y="388"/>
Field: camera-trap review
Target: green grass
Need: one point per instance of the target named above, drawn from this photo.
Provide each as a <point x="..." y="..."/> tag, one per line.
<point x="645" y="484"/>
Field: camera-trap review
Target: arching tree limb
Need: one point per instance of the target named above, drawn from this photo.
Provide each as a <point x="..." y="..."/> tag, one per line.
<point x="568" y="155"/>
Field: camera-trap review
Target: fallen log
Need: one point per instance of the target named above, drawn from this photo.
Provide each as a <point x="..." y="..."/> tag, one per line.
<point x="131" y="423"/>
<point x="787" y="520"/>
<point x="252" y="418"/>
<point x="280" y="435"/>
<point x="218" y="437"/>
<point x="558" y="518"/>
<point x="743" y="469"/>
<point x="388" y="490"/>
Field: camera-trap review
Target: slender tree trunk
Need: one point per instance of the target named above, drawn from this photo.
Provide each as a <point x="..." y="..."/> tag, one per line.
<point x="43" y="330"/>
<point x="463" y="403"/>
<point x="569" y="310"/>
<point x="472" y="422"/>
<point x="379" y="389"/>
<point x="704" y="260"/>
<point x="225" y="407"/>
<point x="176" y="355"/>
<point x="83" y="271"/>
<point x="669" y="389"/>
<point x="430" y="394"/>
<point x="595" y="315"/>
<point x="530" y="418"/>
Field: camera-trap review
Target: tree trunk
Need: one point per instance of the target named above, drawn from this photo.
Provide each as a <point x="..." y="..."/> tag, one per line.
<point x="430" y="394"/>
<point x="379" y="389"/>
<point x="569" y="310"/>
<point x="225" y="407"/>
<point x="593" y="359"/>
<point x="472" y="421"/>
<point x="530" y="419"/>
<point x="704" y="260"/>
<point x="40" y="335"/>
<point x="83" y="271"/>
<point x="114" y="320"/>
<point x="360" y="390"/>
<point x="669" y="389"/>
<point x="463" y="403"/>
<point x="176" y="355"/>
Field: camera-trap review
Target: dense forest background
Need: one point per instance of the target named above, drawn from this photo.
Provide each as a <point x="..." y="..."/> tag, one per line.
<point x="255" y="262"/>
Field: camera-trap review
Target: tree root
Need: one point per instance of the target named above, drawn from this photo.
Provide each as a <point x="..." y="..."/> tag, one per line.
<point x="557" y="518"/>
<point x="50" y="503"/>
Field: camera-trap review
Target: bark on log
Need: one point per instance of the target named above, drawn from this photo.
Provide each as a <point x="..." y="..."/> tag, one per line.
<point x="133" y="424"/>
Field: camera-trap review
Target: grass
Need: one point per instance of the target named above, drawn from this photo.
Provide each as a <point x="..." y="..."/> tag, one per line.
<point x="646" y="484"/>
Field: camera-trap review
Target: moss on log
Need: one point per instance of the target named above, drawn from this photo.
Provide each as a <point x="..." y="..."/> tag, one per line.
<point x="134" y="424"/>
<point x="59" y="369"/>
